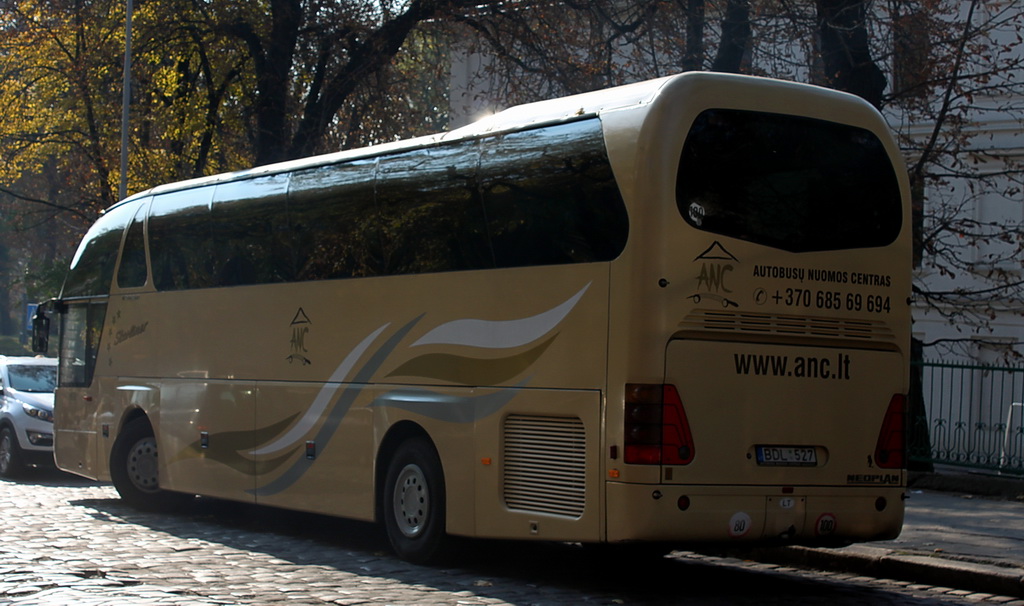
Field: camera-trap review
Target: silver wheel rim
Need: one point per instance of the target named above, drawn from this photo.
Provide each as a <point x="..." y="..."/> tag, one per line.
<point x="411" y="501"/>
<point x="142" y="465"/>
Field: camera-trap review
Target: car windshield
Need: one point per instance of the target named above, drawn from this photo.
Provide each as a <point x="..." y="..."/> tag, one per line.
<point x="32" y="377"/>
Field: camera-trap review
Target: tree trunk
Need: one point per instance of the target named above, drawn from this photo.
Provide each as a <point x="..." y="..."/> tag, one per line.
<point x="693" y="57"/>
<point x="845" y="51"/>
<point x="6" y="323"/>
<point x="735" y="37"/>
<point x="273" y="60"/>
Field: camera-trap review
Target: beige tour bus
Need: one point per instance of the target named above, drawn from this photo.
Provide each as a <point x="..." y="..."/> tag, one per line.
<point x="668" y="312"/>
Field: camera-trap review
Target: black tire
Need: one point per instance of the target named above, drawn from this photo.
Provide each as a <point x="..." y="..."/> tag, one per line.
<point x="414" y="502"/>
<point x="12" y="463"/>
<point x="134" y="468"/>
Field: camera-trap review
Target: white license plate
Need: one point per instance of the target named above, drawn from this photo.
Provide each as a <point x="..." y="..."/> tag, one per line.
<point x="799" y="456"/>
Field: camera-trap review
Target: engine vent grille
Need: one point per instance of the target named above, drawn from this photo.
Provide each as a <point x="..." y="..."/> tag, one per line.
<point x="545" y="464"/>
<point x="778" y="324"/>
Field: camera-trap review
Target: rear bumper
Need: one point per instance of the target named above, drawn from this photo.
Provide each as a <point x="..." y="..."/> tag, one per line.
<point x="806" y="516"/>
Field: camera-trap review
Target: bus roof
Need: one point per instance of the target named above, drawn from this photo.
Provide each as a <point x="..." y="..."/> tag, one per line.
<point x="518" y="117"/>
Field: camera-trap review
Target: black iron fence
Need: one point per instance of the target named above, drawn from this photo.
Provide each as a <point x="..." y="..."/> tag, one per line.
<point x="967" y="415"/>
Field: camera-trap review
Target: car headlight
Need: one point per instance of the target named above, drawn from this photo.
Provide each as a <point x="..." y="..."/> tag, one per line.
<point x="39" y="413"/>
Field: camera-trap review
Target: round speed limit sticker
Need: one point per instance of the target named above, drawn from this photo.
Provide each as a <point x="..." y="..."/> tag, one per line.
<point x="826" y="525"/>
<point x="739" y="524"/>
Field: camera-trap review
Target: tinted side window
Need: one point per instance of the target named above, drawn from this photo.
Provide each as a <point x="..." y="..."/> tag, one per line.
<point x="181" y="240"/>
<point x="431" y="216"/>
<point x="789" y="182"/>
<point x="92" y="267"/>
<point x="545" y="196"/>
<point x="334" y="222"/>
<point x="550" y="196"/>
<point x="251" y="240"/>
<point x="132" y="272"/>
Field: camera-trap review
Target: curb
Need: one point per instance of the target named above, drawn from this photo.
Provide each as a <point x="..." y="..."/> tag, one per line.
<point x="986" y="485"/>
<point x="901" y="566"/>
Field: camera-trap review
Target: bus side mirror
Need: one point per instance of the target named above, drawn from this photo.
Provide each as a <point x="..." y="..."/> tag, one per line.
<point x="40" y="331"/>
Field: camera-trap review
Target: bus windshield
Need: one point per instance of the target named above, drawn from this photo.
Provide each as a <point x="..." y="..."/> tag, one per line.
<point x="793" y="183"/>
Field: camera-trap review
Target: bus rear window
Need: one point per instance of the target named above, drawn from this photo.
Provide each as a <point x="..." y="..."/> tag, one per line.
<point x="793" y="183"/>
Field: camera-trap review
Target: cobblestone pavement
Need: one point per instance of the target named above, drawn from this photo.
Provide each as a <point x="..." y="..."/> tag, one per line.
<point x="68" y="541"/>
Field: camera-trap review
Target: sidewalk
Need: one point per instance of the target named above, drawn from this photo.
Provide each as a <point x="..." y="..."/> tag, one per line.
<point x="960" y="531"/>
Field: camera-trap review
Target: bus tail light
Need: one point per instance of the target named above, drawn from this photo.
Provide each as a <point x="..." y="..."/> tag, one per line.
<point x="890" y="451"/>
<point x="656" y="428"/>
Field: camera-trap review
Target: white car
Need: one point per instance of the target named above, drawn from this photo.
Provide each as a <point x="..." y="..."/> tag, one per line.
<point x="26" y="413"/>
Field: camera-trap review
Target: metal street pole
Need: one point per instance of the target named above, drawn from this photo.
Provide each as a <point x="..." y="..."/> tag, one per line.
<point x="126" y="100"/>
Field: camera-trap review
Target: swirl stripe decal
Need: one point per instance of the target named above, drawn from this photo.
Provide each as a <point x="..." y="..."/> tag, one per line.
<point x="323" y="398"/>
<point x="452" y="409"/>
<point x="500" y="334"/>
<point x="338" y="411"/>
<point x="471" y="371"/>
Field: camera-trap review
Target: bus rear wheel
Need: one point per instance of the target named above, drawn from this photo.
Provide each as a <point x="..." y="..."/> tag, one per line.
<point x="414" y="502"/>
<point x="134" y="467"/>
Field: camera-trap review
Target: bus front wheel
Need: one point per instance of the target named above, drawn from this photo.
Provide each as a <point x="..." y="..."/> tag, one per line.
<point x="414" y="501"/>
<point x="134" y="467"/>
